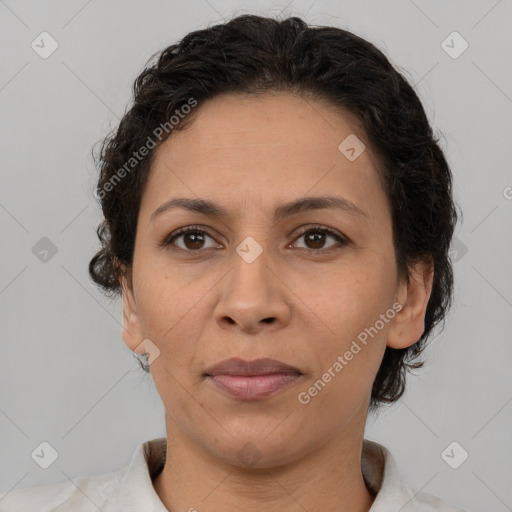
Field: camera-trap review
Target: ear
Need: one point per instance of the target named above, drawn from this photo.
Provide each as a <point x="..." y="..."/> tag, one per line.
<point x="409" y="323"/>
<point x="132" y="333"/>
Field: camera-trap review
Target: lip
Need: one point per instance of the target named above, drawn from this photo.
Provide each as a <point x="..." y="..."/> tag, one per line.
<point x="252" y="380"/>
<point x="237" y="366"/>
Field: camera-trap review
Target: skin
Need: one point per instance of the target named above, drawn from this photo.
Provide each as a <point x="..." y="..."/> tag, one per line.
<point x="250" y="154"/>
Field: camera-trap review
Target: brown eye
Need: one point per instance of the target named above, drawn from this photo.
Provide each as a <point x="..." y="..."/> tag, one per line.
<point x="190" y="239"/>
<point x="193" y="240"/>
<point x="315" y="239"/>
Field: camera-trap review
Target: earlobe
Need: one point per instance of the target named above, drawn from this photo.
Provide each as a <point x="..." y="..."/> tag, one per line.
<point x="409" y="323"/>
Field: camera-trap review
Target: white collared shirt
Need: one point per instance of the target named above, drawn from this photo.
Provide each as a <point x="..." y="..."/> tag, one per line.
<point x="131" y="488"/>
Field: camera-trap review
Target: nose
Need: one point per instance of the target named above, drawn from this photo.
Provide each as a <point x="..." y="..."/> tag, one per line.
<point x="253" y="297"/>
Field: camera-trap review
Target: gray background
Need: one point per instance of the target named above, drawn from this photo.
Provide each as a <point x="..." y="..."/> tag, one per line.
<point x="66" y="376"/>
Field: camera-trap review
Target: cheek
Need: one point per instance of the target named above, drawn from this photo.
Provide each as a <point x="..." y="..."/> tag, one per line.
<point x="346" y="361"/>
<point x="163" y="296"/>
<point x="355" y="306"/>
<point x="351" y="298"/>
<point x="174" y="310"/>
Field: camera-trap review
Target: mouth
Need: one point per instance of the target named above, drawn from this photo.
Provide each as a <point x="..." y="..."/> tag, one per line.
<point x="252" y="380"/>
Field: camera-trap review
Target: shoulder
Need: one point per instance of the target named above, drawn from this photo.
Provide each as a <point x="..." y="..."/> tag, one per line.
<point x="424" y="502"/>
<point x="130" y="488"/>
<point x="391" y="492"/>
<point x="84" y="494"/>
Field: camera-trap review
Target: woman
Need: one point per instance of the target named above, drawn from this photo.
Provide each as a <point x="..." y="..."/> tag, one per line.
<point x="278" y="217"/>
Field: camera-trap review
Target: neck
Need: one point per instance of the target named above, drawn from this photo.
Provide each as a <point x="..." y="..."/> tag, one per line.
<point x="328" y="479"/>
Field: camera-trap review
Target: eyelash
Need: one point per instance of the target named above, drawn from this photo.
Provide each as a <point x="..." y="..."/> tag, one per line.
<point x="168" y="241"/>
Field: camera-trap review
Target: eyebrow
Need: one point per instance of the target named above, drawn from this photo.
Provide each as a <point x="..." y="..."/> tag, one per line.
<point x="282" y="211"/>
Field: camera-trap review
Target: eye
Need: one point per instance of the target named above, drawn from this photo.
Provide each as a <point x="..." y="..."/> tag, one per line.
<point x="192" y="239"/>
<point x="315" y="237"/>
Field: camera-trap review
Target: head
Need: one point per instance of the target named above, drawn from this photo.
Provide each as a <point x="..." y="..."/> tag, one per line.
<point x="248" y="116"/>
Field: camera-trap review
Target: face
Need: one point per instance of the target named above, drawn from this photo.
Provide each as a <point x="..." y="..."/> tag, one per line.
<point x="259" y="280"/>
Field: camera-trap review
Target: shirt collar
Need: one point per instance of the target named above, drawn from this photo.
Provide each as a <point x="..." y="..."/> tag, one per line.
<point x="136" y="491"/>
<point x="381" y="474"/>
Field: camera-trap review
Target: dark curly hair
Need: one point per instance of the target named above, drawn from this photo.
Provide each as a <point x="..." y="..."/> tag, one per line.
<point x="251" y="55"/>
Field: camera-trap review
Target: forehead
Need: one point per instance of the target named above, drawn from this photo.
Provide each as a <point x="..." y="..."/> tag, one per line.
<point x="264" y="149"/>
<point x="263" y="123"/>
